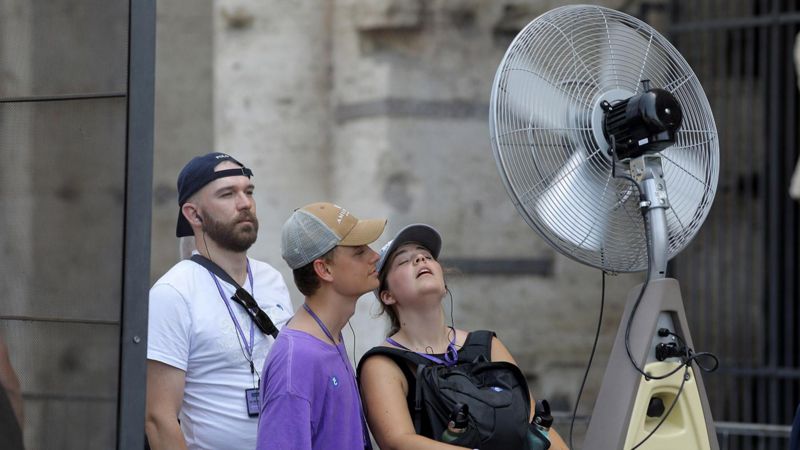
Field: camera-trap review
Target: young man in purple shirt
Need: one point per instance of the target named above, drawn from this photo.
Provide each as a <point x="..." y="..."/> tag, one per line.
<point x="309" y="397"/>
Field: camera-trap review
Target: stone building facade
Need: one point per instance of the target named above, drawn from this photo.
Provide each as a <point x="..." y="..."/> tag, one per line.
<point x="381" y="106"/>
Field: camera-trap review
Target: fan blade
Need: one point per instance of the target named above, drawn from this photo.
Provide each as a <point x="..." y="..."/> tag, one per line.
<point x="538" y="103"/>
<point x="622" y="56"/>
<point x="577" y="204"/>
<point x="687" y="178"/>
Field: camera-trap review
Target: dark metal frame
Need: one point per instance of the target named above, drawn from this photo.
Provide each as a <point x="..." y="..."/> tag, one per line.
<point x="138" y="199"/>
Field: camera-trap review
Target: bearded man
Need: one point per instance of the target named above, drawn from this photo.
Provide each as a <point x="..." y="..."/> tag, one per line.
<point x="212" y="318"/>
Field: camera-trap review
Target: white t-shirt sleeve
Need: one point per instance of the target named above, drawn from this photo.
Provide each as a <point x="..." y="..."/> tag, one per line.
<point x="169" y="326"/>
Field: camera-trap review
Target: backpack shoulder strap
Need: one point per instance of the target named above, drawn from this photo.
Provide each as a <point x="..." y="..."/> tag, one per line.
<point x="398" y="355"/>
<point x="479" y="343"/>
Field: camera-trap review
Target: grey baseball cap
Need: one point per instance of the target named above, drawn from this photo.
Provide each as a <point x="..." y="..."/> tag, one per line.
<point x="418" y="232"/>
<point x="315" y="229"/>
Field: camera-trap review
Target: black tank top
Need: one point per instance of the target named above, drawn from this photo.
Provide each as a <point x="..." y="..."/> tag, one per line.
<point x="474" y="339"/>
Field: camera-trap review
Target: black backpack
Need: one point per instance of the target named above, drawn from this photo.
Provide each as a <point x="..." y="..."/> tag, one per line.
<point x="496" y="394"/>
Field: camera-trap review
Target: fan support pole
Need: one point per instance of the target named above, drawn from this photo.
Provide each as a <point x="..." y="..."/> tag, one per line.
<point x="629" y="405"/>
<point x="648" y="172"/>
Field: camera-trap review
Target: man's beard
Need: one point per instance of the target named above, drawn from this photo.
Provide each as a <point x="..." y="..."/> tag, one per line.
<point x="226" y="235"/>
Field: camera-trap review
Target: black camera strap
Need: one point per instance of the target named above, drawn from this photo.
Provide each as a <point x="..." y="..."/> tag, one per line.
<point x="264" y="323"/>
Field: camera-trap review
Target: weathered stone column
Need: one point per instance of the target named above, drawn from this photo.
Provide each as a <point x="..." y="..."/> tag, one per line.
<point x="184" y="112"/>
<point x="271" y="87"/>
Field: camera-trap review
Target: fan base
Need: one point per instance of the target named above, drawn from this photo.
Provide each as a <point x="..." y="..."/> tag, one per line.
<point x="620" y="419"/>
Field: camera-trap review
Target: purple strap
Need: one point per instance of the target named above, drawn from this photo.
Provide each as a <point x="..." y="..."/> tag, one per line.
<point x="348" y="368"/>
<point x="248" y="347"/>
<point x="450" y="356"/>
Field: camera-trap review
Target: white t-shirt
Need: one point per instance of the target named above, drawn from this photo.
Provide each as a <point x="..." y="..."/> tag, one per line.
<point x="190" y="328"/>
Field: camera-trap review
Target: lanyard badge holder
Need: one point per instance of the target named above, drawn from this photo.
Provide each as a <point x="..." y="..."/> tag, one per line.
<point x="252" y="397"/>
<point x="259" y="318"/>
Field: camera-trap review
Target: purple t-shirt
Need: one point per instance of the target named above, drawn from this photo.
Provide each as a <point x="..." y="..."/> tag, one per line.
<point x="309" y="398"/>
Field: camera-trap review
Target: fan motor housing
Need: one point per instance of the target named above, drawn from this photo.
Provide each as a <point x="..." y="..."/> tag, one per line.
<point x="644" y="123"/>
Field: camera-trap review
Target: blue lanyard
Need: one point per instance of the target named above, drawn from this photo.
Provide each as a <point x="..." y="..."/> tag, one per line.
<point x="348" y="368"/>
<point x="330" y="336"/>
<point x="450" y="356"/>
<point x="248" y="347"/>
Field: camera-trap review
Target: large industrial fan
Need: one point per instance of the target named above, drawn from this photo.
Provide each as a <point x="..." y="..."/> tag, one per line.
<point x="607" y="146"/>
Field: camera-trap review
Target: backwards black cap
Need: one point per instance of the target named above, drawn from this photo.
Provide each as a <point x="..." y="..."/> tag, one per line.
<point x="197" y="173"/>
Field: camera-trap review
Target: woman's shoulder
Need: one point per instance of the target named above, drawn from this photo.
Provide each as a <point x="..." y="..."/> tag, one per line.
<point x="378" y="362"/>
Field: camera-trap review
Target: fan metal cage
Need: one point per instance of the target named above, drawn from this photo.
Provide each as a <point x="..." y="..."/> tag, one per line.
<point x="546" y="133"/>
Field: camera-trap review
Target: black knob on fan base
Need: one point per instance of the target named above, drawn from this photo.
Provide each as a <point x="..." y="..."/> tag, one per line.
<point x="656" y="407"/>
<point x="644" y="123"/>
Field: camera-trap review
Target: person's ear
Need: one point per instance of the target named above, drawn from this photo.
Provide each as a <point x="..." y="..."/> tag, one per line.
<point x="322" y="269"/>
<point x="191" y="213"/>
<point x="387" y="298"/>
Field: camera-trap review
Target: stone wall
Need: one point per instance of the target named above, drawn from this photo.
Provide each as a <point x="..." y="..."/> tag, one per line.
<point x="62" y="202"/>
<point x="184" y="111"/>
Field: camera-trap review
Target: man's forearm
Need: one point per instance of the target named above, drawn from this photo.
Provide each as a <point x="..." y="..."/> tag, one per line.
<point x="165" y="435"/>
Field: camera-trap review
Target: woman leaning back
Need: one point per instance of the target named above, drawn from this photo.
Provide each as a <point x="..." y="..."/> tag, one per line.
<point x="411" y="292"/>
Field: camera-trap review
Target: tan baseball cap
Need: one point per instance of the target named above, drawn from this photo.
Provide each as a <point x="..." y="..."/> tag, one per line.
<point x="315" y="229"/>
